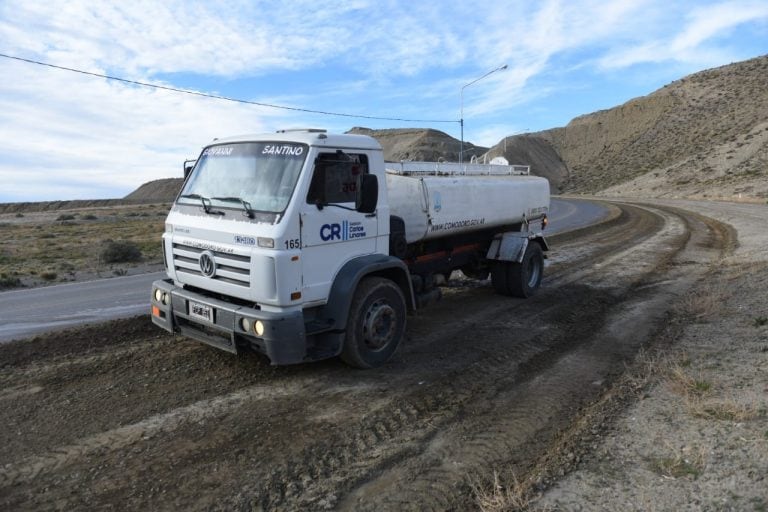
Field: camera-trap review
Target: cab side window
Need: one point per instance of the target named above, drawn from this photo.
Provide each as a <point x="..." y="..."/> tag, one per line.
<point x="334" y="179"/>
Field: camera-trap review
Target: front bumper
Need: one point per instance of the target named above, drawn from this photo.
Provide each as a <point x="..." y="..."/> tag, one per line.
<point x="283" y="339"/>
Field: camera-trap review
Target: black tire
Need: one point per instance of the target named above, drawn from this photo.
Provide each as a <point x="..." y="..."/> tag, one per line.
<point x="376" y="323"/>
<point x="519" y="279"/>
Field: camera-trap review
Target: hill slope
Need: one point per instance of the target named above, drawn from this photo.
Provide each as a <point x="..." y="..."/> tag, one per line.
<point x="163" y="190"/>
<point x="705" y="135"/>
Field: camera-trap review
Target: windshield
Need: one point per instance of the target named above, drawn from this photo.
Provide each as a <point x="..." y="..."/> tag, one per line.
<point x="261" y="175"/>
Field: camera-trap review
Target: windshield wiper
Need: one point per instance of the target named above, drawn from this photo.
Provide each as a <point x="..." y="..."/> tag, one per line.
<point x="204" y="201"/>
<point x="246" y="204"/>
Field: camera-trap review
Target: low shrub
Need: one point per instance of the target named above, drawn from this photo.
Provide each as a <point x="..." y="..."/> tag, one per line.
<point x="120" y="251"/>
<point x="49" y="275"/>
<point x="7" y="281"/>
<point x="65" y="216"/>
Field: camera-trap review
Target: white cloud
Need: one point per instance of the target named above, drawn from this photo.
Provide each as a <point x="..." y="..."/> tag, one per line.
<point x="56" y="127"/>
<point x="388" y="58"/>
<point x="686" y="39"/>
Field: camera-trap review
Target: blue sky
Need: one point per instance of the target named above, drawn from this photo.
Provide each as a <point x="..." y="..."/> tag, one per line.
<point x="70" y="136"/>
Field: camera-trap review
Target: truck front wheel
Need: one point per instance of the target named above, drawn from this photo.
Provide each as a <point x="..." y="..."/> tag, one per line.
<point x="376" y="323"/>
<point x="519" y="279"/>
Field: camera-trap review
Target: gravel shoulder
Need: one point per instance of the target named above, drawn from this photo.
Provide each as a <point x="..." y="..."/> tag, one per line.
<point x="694" y="435"/>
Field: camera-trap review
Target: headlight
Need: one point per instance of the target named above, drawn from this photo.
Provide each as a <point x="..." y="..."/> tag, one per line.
<point x="258" y="328"/>
<point x="158" y="295"/>
<point x="245" y="324"/>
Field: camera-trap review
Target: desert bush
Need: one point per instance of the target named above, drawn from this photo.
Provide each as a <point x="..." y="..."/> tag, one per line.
<point x="7" y="281"/>
<point x="19" y="215"/>
<point x="65" y="216"/>
<point x="120" y="251"/>
<point x="90" y="216"/>
<point x="49" y="275"/>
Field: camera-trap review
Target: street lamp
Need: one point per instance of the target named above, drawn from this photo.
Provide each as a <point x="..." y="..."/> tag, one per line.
<point x="461" y="149"/>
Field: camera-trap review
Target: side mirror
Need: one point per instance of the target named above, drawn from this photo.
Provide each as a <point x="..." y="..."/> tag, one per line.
<point x="367" y="195"/>
<point x="188" y="166"/>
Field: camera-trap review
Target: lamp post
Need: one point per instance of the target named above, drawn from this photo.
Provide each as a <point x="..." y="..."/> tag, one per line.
<point x="461" y="121"/>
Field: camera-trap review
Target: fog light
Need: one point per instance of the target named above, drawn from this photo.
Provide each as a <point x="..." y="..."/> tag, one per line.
<point x="258" y="328"/>
<point x="245" y="324"/>
<point x="267" y="243"/>
<point x="158" y="295"/>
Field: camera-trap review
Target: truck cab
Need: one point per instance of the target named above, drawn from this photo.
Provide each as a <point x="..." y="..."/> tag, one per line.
<point x="268" y="241"/>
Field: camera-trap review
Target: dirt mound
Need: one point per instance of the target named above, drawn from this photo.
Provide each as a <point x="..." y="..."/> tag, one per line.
<point x="163" y="190"/>
<point x="535" y="151"/>
<point x="705" y="135"/>
<point x="419" y="144"/>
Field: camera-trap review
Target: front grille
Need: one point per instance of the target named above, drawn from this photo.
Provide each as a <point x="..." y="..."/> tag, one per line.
<point x="230" y="268"/>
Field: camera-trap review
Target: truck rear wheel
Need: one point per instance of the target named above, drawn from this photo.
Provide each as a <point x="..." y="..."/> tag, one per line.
<point x="519" y="279"/>
<point x="376" y="323"/>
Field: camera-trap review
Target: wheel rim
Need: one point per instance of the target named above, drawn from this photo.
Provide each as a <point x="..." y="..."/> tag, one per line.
<point x="534" y="272"/>
<point x="380" y="325"/>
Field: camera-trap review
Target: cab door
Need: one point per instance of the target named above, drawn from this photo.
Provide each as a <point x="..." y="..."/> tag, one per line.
<point x="332" y="232"/>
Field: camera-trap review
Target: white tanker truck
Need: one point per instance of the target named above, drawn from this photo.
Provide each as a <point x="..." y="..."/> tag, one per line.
<point x="303" y="245"/>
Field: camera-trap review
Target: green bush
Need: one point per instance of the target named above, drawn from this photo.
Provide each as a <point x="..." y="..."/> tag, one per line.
<point x="120" y="251"/>
<point x="65" y="216"/>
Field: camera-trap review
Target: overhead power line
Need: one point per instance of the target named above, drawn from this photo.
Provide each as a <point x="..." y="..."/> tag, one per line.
<point x="225" y="98"/>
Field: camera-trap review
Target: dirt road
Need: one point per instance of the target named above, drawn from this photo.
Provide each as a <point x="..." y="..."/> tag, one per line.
<point x="129" y="418"/>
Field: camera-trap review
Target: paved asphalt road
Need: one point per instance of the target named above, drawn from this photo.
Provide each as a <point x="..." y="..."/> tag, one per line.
<point x="27" y="312"/>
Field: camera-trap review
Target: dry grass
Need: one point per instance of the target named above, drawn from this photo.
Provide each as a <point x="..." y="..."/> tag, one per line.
<point x="37" y="246"/>
<point x="726" y="410"/>
<point x="705" y="301"/>
<point x="508" y="496"/>
<point x="697" y="394"/>
<point x="687" y="463"/>
<point x="682" y="383"/>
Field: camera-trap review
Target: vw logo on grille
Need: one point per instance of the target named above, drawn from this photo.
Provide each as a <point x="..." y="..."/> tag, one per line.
<point x="207" y="264"/>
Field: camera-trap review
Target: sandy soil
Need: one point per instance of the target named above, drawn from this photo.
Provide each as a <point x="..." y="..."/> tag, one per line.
<point x="122" y="416"/>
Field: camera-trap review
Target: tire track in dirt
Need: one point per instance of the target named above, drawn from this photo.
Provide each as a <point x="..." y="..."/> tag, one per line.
<point x="510" y="421"/>
<point x="452" y="393"/>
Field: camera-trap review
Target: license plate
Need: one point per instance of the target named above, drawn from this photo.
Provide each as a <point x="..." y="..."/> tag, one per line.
<point x="201" y="311"/>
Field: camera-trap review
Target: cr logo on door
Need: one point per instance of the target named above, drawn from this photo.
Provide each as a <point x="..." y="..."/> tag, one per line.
<point x="330" y="232"/>
<point x="344" y="231"/>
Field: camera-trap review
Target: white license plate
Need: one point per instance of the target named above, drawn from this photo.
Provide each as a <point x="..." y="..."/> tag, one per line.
<point x="201" y="311"/>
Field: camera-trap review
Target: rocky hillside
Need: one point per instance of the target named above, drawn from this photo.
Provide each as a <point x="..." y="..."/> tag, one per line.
<point x="704" y="136"/>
